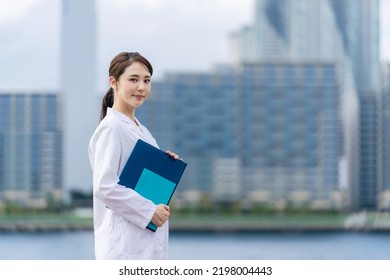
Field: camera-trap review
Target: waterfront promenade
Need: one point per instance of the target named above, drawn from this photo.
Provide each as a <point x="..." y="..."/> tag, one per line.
<point x="213" y="223"/>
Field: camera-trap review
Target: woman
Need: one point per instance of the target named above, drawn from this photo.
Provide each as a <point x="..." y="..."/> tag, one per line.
<point x="121" y="214"/>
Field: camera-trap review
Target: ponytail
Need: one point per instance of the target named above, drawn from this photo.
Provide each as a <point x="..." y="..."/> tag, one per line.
<point x="108" y="101"/>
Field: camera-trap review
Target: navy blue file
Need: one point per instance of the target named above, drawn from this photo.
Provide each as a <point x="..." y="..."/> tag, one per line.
<point x="152" y="173"/>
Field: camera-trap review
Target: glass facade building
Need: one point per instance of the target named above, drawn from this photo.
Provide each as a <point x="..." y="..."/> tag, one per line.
<point x="292" y="132"/>
<point x="344" y="32"/>
<point x="30" y="147"/>
<point x="266" y="133"/>
<point x="384" y="198"/>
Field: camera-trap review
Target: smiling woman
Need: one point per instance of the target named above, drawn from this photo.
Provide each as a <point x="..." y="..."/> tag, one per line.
<point x="121" y="215"/>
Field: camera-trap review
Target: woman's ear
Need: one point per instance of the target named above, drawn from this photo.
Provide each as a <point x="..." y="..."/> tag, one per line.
<point x="113" y="83"/>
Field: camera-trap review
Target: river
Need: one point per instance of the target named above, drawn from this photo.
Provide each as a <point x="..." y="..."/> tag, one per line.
<point x="78" y="245"/>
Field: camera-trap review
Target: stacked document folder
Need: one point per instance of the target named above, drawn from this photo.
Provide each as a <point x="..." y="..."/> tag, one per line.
<point x="152" y="173"/>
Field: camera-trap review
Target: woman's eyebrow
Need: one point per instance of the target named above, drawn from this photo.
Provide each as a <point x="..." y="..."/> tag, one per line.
<point x="137" y="76"/>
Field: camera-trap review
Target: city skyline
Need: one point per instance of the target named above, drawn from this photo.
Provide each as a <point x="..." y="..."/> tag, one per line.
<point x="78" y="76"/>
<point x="155" y="35"/>
<point x="287" y="157"/>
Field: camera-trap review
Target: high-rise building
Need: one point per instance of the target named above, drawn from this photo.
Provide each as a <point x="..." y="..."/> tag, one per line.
<point x="262" y="132"/>
<point x="291" y="130"/>
<point x="78" y="88"/>
<point x="193" y="114"/>
<point x="30" y="147"/>
<point x="344" y="32"/>
<point x="384" y="198"/>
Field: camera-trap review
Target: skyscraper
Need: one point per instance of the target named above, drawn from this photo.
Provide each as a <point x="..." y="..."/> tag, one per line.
<point x="385" y="129"/>
<point x="268" y="133"/>
<point x="345" y="32"/>
<point x="30" y="147"/>
<point x="78" y="87"/>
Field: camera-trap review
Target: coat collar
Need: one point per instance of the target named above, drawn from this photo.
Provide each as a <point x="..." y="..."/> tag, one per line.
<point x="118" y="115"/>
<point x="122" y="117"/>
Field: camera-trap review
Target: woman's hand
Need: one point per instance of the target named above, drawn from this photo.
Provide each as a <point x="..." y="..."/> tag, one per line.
<point x="173" y="155"/>
<point x="161" y="215"/>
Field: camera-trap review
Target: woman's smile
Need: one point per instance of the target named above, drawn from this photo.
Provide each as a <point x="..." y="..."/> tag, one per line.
<point x="139" y="97"/>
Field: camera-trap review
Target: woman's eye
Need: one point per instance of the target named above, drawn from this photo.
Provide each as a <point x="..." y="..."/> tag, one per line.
<point x="147" y="81"/>
<point x="133" y="80"/>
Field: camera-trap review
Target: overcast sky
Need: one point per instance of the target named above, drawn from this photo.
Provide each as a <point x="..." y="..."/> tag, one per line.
<point x="173" y="34"/>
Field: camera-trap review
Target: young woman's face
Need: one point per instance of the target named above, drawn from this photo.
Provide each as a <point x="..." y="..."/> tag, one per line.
<point x="133" y="86"/>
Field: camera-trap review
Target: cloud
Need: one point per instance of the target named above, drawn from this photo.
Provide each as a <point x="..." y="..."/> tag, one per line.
<point x="173" y="34"/>
<point x="12" y="11"/>
<point x="385" y="30"/>
<point x="29" y="45"/>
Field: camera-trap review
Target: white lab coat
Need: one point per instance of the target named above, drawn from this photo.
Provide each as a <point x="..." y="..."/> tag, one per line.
<point x="121" y="214"/>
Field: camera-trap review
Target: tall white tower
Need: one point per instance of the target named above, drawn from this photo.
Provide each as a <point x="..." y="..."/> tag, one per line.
<point x="78" y="85"/>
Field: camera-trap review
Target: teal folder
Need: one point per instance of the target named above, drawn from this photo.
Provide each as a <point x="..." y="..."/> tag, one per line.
<point x="152" y="173"/>
<point x="156" y="188"/>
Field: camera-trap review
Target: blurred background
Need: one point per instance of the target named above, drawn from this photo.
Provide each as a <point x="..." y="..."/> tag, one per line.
<point x="281" y="108"/>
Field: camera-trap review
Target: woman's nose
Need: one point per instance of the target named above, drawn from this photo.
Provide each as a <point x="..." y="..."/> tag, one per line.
<point x="141" y="86"/>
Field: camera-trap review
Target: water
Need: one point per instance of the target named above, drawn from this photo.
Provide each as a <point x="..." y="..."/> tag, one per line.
<point x="271" y="246"/>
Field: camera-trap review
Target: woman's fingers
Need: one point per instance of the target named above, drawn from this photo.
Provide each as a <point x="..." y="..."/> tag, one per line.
<point x="161" y="215"/>
<point x="172" y="154"/>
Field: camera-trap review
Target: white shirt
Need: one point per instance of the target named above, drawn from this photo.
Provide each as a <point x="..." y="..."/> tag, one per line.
<point x="121" y="214"/>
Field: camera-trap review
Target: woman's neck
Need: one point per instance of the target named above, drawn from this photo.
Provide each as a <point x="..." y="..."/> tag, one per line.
<point x="126" y="110"/>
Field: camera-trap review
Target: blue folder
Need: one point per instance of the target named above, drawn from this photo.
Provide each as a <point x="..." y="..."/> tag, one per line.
<point x="152" y="173"/>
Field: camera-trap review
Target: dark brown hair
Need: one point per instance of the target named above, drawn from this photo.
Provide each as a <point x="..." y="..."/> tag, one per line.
<point x="117" y="67"/>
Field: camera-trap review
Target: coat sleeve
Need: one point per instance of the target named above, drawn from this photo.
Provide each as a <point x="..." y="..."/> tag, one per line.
<point x="105" y="151"/>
